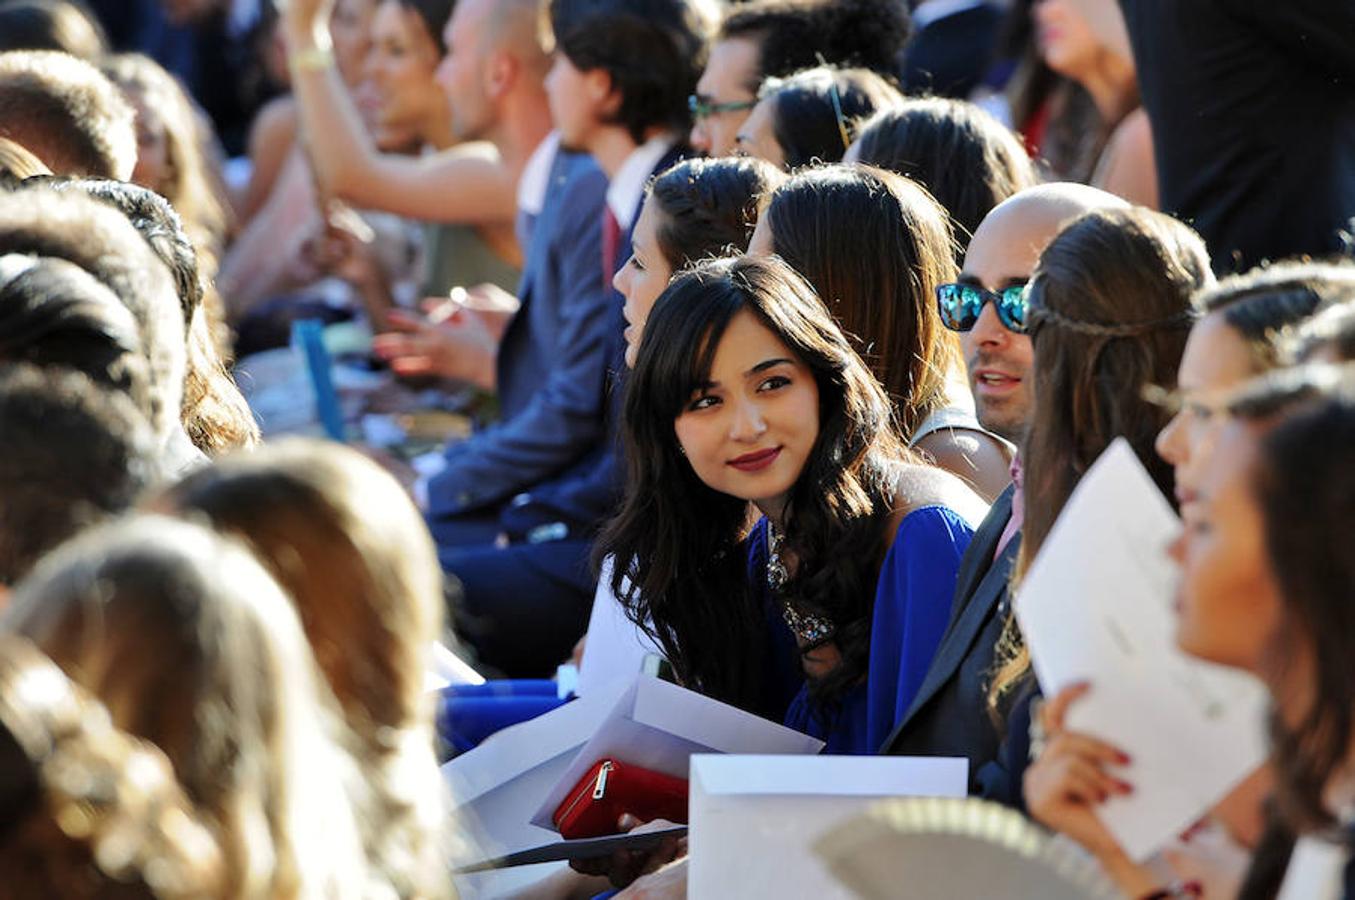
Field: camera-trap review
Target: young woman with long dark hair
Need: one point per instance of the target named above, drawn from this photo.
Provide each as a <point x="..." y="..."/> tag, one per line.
<point x="826" y="611"/>
<point x="1299" y="478"/>
<point x="965" y="158"/>
<point x="875" y="246"/>
<point x="1110" y="310"/>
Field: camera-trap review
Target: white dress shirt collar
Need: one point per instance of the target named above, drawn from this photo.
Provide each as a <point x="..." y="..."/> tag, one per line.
<point x="628" y="186"/>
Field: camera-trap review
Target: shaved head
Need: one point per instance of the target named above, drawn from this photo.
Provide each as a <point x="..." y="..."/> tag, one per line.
<point x="1003" y="252"/>
<point x="515" y="26"/>
<point x="1027" y="221"/>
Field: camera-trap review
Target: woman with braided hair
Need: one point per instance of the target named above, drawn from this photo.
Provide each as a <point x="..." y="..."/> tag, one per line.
<point x="1108" y="312"/>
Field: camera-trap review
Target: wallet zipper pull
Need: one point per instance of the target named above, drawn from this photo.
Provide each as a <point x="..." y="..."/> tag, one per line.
<point x="600" y="787"/>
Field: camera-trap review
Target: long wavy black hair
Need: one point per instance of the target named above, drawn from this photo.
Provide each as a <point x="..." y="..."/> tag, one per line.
<point x="680" y="570"/>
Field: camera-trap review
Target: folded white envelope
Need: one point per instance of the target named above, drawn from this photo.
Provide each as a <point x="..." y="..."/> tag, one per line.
<point x="498" y="785"/>
<point x="1097" y="606"/>
<point x="754" y="819"/>
<point x="658" y="725"/>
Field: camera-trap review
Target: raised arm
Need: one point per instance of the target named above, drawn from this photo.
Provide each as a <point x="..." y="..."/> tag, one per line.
<point x="271" y="139"/>
<point x="466" y="185"/>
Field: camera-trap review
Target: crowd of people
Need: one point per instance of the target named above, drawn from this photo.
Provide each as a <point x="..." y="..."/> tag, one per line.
<point x="788" y="328"/>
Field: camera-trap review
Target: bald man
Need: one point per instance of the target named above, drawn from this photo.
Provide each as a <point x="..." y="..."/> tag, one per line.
<point x="949" y="715"/>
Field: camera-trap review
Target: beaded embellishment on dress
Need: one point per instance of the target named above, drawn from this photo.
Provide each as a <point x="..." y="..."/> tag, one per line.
<point x="811" y="630"/>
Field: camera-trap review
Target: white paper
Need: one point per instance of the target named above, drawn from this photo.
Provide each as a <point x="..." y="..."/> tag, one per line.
<point x="446" y="668"/>
<point x="1315" y="872"/>
<point x="616" y="647"/>
<point x="518" y="749"/>
<point x="754" y="819"/>
<point x="1097" y="606"/>
<point x="657" y="725"/>
<point x="497" y="786"/>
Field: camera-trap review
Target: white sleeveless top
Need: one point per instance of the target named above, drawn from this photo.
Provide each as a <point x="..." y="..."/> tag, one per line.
<point x="957" y="413"/>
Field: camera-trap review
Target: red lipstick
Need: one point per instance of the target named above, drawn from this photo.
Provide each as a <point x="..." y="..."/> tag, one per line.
<point x="755" y="461"/>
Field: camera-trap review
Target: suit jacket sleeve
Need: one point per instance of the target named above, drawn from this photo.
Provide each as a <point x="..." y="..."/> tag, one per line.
<point x="589" y="492"/>
<point x="1321" y="33"/>
<point x="564" y="419"/>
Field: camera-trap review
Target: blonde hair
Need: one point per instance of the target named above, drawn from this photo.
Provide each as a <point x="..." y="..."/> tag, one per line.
<point x="343" y="539"/>
<point x="93" y="811"/>
<point x="190" y="645"/>
<point x="18" y="163"/>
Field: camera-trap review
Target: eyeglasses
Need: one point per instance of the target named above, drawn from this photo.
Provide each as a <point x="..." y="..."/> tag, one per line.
<point x="702" y="109"/>
<point x="961" y="304"/>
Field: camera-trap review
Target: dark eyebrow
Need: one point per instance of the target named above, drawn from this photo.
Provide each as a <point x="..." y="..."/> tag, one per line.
<point x="757" y="369"/>
<point x="1012" y="281"/>
<point x="767" y="364"/>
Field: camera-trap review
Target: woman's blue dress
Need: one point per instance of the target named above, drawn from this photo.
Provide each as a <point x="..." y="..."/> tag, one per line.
<point x="913" y="598"/>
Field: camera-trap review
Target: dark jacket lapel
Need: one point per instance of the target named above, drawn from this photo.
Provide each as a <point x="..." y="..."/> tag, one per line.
<point x="978" y="558"/>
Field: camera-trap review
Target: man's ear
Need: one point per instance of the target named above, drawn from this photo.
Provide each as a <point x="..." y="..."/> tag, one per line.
<point x="501" y="73"/>
<point x="602" y="91"/>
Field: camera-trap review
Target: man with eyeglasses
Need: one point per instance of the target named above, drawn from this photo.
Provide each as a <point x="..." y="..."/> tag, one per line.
<point x="949" y="715"/>
<point x="773" y="38"/>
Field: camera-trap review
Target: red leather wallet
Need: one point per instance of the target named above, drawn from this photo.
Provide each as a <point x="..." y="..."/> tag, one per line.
<point x="612" y="789"/>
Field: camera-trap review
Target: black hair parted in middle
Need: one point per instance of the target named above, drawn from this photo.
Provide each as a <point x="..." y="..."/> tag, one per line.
<point x="817" y="113"/>
<point x="679" y="570"/>
<point x="653" y="50"/>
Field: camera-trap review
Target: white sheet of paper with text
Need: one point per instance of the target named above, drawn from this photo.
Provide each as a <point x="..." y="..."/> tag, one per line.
<point x="1098" y="606"/>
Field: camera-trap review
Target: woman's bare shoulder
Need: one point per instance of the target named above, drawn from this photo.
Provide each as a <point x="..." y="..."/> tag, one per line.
<point x="920" y="486"/>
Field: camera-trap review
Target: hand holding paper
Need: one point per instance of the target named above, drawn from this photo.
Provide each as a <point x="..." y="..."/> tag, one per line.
<point x="1096" y="607"/>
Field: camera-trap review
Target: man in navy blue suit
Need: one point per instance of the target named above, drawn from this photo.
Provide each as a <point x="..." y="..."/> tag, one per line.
<point x="618" y="91"/>
<point x="949" y="715"/>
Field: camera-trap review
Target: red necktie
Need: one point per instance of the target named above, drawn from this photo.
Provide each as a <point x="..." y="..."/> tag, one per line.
<point x="611" y="241"/>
